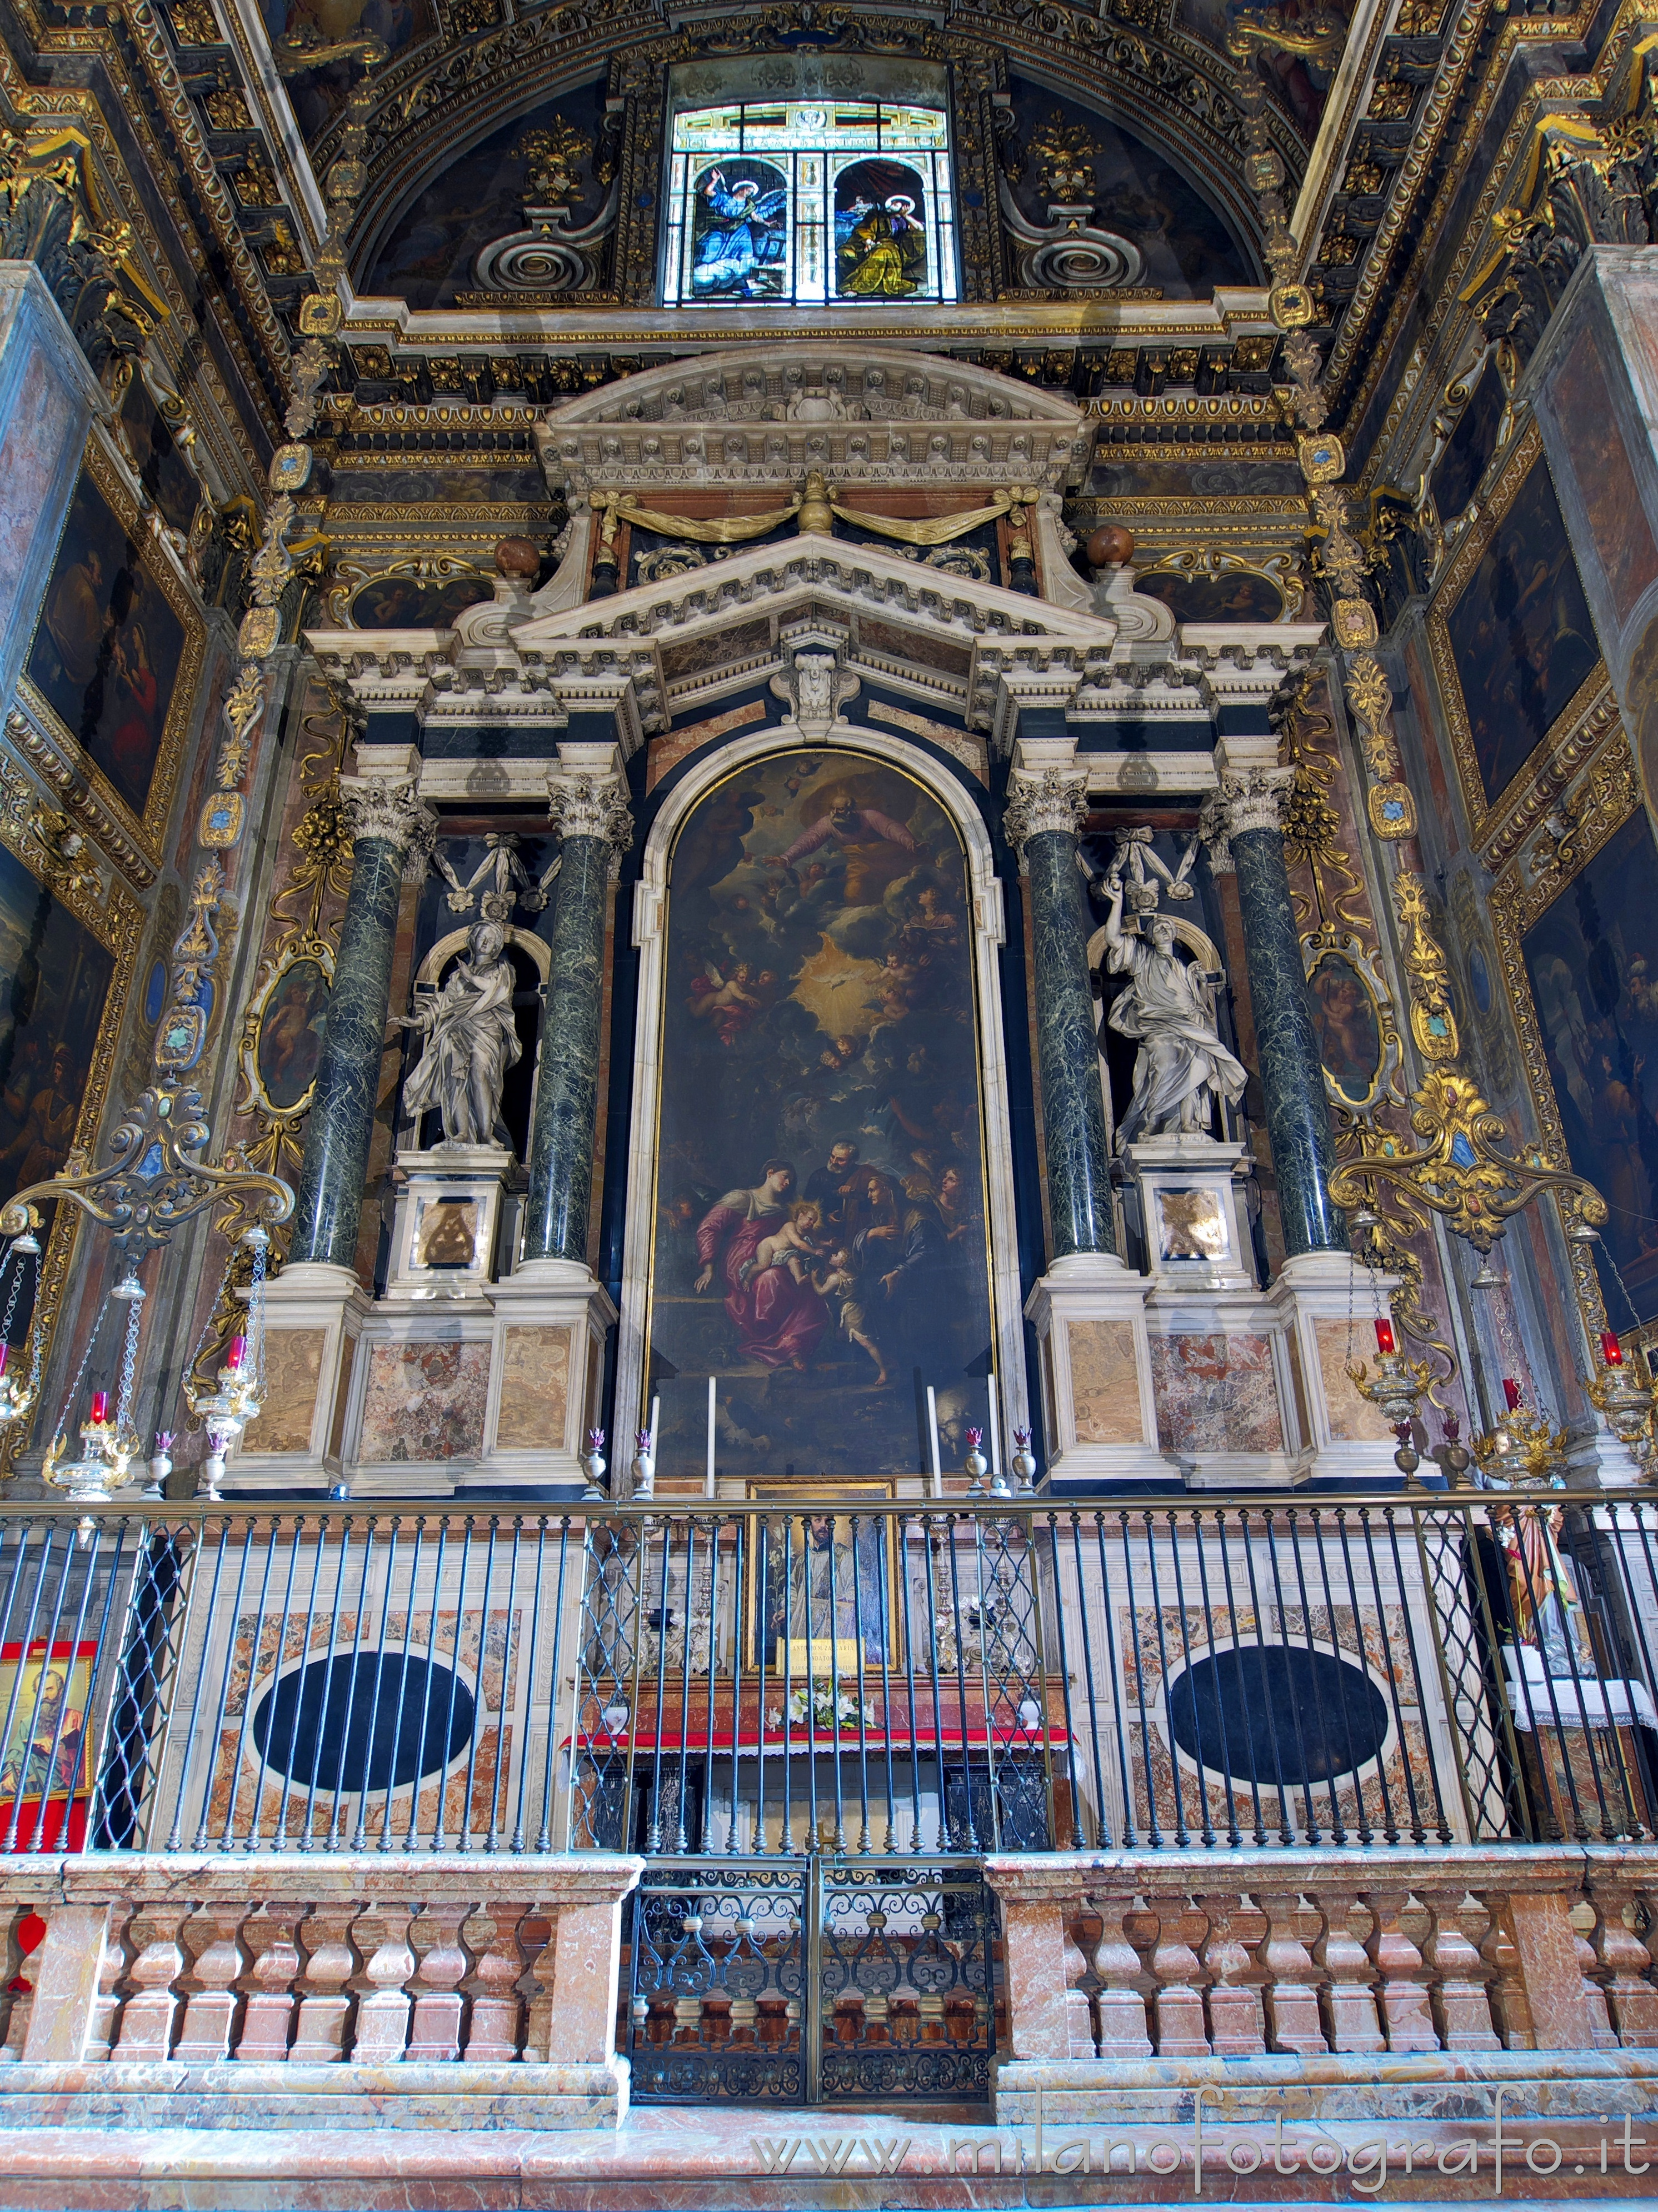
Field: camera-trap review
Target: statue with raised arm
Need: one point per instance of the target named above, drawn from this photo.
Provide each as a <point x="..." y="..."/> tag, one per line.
<point x="471" y="1041"/>
<point x="1169" y="1008"/>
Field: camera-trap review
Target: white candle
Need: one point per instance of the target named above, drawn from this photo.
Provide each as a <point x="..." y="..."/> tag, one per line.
<point x="656" y="1414"/>
<point x="932" y="1428"/>
<point x="996" y="1447"/>
<point x="713" y="1394"/>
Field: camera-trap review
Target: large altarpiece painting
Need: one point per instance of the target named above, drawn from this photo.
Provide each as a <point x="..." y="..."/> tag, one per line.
<point x="820" y="1246"/>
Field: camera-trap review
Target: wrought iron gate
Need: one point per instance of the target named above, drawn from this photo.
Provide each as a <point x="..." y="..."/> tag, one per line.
<point x="810" y="1981"/>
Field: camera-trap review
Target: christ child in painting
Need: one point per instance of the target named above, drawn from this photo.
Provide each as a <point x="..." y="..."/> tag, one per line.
<point x="842" y="1282"/>
<point x="792" y="1245"/>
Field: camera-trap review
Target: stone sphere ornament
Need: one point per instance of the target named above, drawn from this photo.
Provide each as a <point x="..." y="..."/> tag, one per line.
<point x="518" y="557"/>
<point x="1110" y="546"/>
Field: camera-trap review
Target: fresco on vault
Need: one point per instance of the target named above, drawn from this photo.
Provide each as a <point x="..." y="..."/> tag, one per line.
<point x="427" y="256"/>
<point x="1301" y="82"/>
<point x="1520" y="633"/>
<point x="1592" y="960"/>
<point x="820" y="1236"/>
<point x="1188" y="248"/>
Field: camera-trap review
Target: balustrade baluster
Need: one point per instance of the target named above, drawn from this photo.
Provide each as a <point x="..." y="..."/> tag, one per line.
<point x="1177" y="2004"/>
<point x="1462" y="2011"/>
<point x="1625" y="1963"/>
<point x="267" y="2023"/>
<point x="1235" y="2025"/>
<point x="382" y="2013"/>
<point x="1511" y="2010"/>
<point x="1405" y="2012"/>
<point x="1292" y="1996"/>
<point x="1120" y="2005"/>
<point x="1350" y="2016"/>
<point x="1602" y="2029"/>
<point x="439" y="2007"/>
<point x="325" y="2008"/>
<point x="112" y="1968"/>
<point x="152" y="2008"/>
<point x="208" y="2034"/>
<point x="492" y="2030"/>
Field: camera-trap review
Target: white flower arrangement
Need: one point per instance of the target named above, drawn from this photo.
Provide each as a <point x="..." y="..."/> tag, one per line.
<point x="826" y="1710"/>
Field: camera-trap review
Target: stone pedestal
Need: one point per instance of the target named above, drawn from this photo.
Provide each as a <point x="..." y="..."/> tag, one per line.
<point x="314" y="1315"/>
<point x="1098" y="1413"/>
<point x="1193" y="1213"/>
<point x="450" y="1208"/>
<point x="546" y="1373"/>
<point x="48" y="397"/>
<point x="1313" y="1297"/>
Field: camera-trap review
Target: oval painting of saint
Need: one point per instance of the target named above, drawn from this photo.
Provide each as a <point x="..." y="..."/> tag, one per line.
<point x="1350" y="1034"/>
<point x="819" y="1245"/>
<point x="290" y="1035"/>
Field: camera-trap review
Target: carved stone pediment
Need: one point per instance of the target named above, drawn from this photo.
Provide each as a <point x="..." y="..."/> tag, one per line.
<point x="868" y="414"/>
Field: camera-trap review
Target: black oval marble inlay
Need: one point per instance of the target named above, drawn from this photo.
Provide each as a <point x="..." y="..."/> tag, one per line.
<point x="1281" y="1715"/>
<point x="367" y="1720"/>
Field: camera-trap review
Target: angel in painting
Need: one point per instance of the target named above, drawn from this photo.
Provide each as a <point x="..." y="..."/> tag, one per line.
<point x="740" y="249"/>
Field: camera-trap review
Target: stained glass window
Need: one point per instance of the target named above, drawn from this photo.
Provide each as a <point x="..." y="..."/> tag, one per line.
<point x="804" y="202"/>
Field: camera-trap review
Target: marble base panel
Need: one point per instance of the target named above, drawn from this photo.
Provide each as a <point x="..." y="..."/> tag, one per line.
<point x="547" y="1357"/>
<point x="313" y="1317"/>
<point x="1223" y="1376"/>
<point x="795" y="2161"/>
<point x="1327" y="1303"/>
<point x="1098" y="1397"/>
<point x="407" y="2096"/>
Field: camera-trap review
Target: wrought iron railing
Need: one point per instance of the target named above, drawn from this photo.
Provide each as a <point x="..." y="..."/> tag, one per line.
<point x="853" y="1680"/>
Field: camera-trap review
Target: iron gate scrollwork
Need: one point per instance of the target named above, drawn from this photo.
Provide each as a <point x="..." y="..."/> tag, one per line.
<point x="810" y="1981"/>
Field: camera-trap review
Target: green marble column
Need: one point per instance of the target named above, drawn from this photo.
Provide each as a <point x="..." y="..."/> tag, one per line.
<point x="595" y="823"/>
<point x="1291" y="1066"/>
<point x="1042" y="814"/>
<point x="386" y="821"/>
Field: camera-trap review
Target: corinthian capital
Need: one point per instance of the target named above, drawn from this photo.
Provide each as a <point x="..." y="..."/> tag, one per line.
<point x="393" y="813"/>
<point x="591" y="807"/>
<point x="1252" y="798"/>
<point x="1050" y="801"/>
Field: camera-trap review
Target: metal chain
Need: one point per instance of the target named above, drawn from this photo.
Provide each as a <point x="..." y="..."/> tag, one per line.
<point x="261" y="1243"/>
<point x="86" y="1357"/>
<point x="134" y="1312"/>
<point x="16" y="1285"/>
<point x="207" y="1326"/>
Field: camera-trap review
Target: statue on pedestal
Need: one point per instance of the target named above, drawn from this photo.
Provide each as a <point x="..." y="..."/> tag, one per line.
<point x="471" y="1041"/>
<point x="1169" y="1009"/>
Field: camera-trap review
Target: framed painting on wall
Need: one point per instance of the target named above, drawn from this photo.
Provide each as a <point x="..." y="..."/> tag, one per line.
<point x="44" y="1786"/>
<point x="112" y="673"/>
<point x="1514" y="648"/>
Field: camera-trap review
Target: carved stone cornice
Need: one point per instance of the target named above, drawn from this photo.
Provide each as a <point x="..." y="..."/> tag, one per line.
<point x="1252" y="798"/>
<point x="593" y="807"/>
<point x="1052" y="802"/>
<point x="391" y="814"/>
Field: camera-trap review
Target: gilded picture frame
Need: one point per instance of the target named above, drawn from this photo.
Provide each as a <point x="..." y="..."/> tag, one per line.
<point x="1517" y="899"/>
<point x="147" y="830"/>
<point x="1486" y="813"/>
<point x="1361" y="1039"/>
<point x="281" y="1031"/>
<point x="779" y="1585"/>
<point x="110" y="913"/>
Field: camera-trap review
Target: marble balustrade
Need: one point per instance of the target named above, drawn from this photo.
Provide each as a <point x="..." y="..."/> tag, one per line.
<point x="268" y="1990"/>
<point x="1111" y="1959"/>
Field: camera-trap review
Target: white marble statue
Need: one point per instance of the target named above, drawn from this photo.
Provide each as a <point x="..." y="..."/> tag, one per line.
<point x="1169" y="1008"/>
<point x="471" y="1041"/>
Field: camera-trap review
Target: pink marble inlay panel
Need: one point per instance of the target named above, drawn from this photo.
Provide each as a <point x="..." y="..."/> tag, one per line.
<point x="426" y="1401"/>
<point x="1217" y="1392"/>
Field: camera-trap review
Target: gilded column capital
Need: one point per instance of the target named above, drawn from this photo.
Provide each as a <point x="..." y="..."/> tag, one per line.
<point x="591" y="807"/>
<point x="393" y="814"/>
<point x="1252" y="798"/>
<point x="1050" y="801"/>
